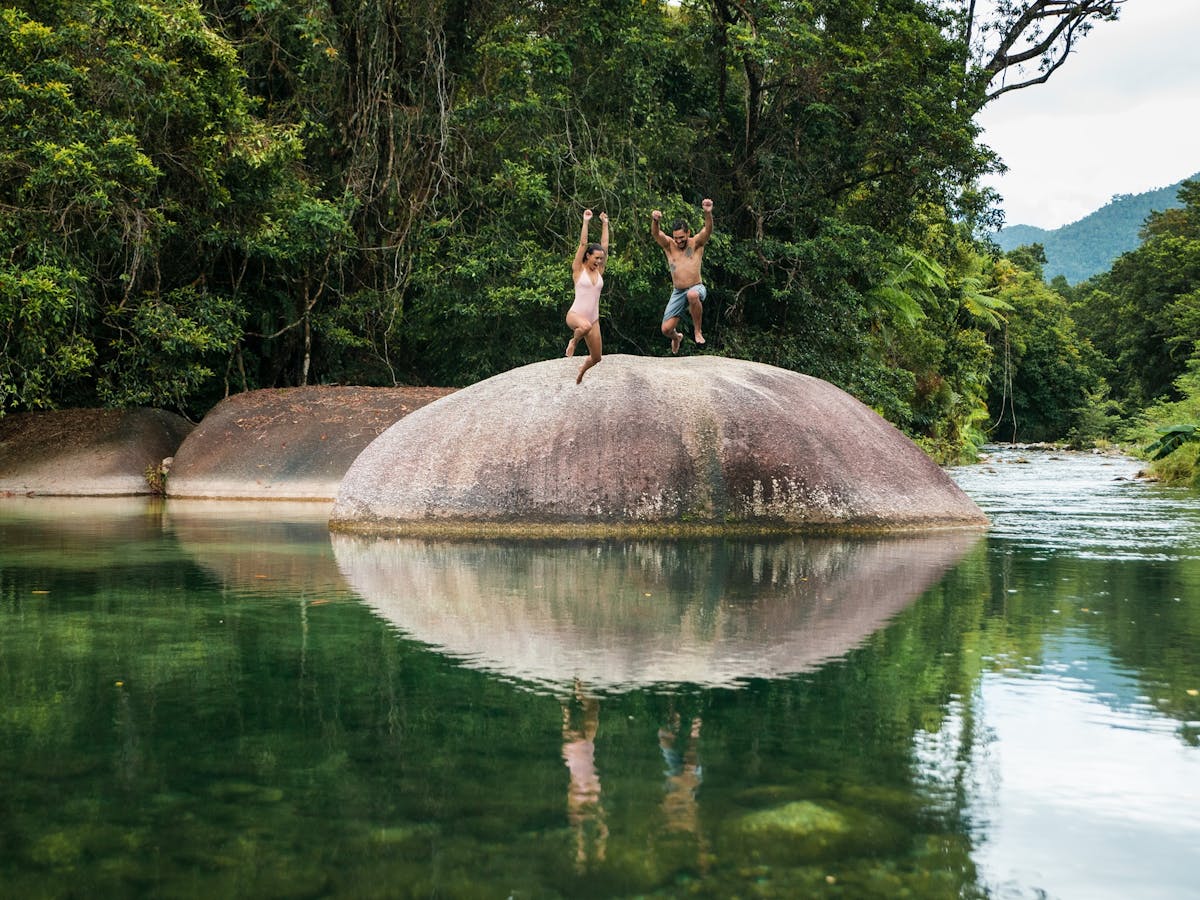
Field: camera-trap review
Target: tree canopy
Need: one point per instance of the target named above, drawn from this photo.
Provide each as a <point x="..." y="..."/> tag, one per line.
<point x="213" y="195"/>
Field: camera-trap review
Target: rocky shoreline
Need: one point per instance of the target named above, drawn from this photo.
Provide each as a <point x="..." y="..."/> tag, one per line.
<point x="705" y="445"/>
<point x="271" y="444"/>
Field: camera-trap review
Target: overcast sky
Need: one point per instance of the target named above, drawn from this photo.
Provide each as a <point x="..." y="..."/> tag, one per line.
<point x="1122" y="116"/>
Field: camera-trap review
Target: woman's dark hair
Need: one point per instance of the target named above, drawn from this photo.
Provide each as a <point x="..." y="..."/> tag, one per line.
<point x="590" y="249"/>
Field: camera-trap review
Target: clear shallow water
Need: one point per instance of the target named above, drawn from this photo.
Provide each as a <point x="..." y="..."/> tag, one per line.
<point x="1083" y="504"/>
<point x="207" y="700"/>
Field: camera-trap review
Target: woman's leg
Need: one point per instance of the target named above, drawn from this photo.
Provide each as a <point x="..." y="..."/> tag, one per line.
<point x="595" y="345"/>
<point x="580" y="326"/>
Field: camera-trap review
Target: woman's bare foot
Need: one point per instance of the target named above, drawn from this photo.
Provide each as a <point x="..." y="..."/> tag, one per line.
<point x="676" y="340"/>
<point x="571" y="346"/>
<point x="579" y="377"/>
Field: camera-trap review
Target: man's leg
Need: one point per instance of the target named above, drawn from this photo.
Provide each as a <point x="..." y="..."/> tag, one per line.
<point x="696" y="308"/>
<point x="672" y="316"/>
<point x="671" y="332"/>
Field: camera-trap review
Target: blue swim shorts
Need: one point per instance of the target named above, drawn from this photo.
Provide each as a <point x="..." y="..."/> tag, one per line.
<point x="678" y="302"/>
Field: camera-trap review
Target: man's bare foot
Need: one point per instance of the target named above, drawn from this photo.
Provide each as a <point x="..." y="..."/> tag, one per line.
<point x="676" y="340"/>
<point x="699" y="339"/>
<point x="571" y="346"/>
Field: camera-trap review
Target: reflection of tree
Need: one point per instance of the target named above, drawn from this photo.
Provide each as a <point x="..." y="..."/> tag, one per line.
<point x="1105" y="605"/>
<point x="680" y="805"/>
<point x="585" y="813"/>
<point x="128" y="762"/>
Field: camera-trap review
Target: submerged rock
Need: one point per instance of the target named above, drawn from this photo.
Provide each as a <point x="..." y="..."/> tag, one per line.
<point x="697" y="443"/>
<point x="806" y="830"/>
<point x="799" y="819"/>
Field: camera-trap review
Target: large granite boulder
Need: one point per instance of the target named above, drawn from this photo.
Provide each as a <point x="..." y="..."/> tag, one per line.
<point x="86" y="452"/>
<point x="287" y="443"/>
<point x="697" y="443"/>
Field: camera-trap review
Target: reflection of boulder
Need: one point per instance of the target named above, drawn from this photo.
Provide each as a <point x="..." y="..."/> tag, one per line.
<point x="287" y="443"/>
<point x="86" y="452"/>
<point x="79" y="533"/>
<point x="699" y="443"/>
<point x="269" y="547"/>
<point x="622" y="614"/>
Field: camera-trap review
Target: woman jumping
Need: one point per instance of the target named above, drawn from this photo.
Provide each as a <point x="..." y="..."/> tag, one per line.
<point x="587" y="271"/>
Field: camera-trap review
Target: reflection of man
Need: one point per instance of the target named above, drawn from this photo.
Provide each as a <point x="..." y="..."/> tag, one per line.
<point x="681" y="809"/>
<point x="583" y="790"/>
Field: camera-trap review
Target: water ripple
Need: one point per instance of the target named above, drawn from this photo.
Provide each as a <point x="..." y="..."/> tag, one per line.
<point x="1092" y="504"/>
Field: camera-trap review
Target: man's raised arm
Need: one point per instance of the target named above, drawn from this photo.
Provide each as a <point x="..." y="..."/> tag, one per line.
<point x="656" y="232"/>
<point x="703" y="234"/>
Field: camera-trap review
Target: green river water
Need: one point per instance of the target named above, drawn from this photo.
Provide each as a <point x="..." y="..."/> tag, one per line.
<point x="215" y="700"/>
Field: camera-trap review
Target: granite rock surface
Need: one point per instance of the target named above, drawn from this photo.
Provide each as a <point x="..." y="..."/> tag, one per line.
<point x="86" y="452"/>
<point x="696" y="443"/>
<point x="287" y="443"/>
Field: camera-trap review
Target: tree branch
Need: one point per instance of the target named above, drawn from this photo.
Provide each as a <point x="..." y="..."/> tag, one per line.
<point x="1041" y="79"/>
<point x="1042" y="30"/>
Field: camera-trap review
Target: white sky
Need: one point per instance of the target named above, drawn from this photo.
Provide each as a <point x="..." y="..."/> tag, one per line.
<point x="1122" y="116"/>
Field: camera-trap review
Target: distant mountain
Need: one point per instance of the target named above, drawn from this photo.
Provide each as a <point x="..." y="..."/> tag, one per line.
<point x="1087" y="247"/>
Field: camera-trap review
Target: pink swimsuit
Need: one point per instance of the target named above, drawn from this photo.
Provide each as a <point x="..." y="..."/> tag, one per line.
<point x="587" y="297"/>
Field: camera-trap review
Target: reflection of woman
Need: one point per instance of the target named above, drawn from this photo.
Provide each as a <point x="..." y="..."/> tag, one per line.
<point x="583" y="791"/>
<point x="587" y="273"/>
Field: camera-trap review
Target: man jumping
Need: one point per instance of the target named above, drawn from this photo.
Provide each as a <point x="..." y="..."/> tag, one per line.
<point x="684" y="253"/>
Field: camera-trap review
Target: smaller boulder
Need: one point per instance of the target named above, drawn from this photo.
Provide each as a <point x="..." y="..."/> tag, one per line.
<point x="287" y="443"/>
<point x="86" y="452"/>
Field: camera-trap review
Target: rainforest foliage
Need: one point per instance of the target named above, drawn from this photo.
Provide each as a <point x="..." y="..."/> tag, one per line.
<point x="213" y="196"/>
<point x="1143" y="315"/>
<point x="1116" y="356"/>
